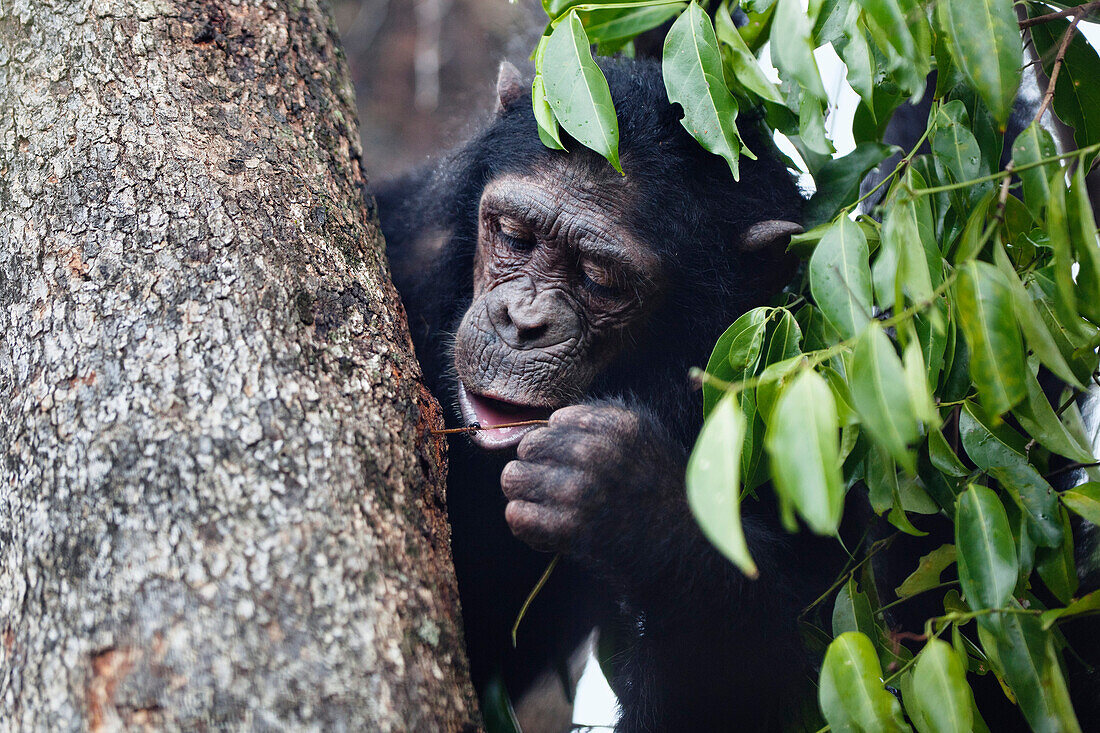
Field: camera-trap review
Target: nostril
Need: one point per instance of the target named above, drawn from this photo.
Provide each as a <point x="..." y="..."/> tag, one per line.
<point x="532" y="331"/>
<point x="528" y="320"/>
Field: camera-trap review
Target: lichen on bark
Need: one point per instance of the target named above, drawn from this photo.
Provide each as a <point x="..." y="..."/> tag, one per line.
<point x="220" y="505"/>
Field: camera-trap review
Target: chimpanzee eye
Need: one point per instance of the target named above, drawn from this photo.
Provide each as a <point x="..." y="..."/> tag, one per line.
<point x="516" y="239"/>
<point x="600" y="280"/>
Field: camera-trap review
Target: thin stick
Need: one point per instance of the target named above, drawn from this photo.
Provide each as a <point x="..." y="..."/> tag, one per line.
<point x="1080" y="10"/>
<point x="477" y="427"/>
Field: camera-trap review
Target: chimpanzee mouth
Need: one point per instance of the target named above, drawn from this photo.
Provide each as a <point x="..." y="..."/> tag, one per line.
<point x="486" y="411"/>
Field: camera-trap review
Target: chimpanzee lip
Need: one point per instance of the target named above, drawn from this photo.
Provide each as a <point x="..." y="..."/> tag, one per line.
<point x="487" y="410"/>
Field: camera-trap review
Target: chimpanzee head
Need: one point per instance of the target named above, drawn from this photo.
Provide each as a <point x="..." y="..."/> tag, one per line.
<point x="587" y="283"/>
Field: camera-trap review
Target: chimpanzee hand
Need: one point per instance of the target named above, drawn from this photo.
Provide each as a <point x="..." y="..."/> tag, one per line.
<point x="586" y="483"/>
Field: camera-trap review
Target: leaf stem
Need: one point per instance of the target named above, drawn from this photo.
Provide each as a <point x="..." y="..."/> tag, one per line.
<point x="875" y="549"/>
<point x="897" y="169"/>
<point x="814" y="358"/>
<point x="899" y="601"/>
<point x="1000" y="174"/>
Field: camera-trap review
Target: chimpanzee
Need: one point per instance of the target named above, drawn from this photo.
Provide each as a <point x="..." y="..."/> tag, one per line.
<point x="543" y="284"/>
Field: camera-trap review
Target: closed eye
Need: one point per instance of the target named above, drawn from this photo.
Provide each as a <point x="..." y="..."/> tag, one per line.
<point x="519" y="243"/>
<point x="600" y="280"/>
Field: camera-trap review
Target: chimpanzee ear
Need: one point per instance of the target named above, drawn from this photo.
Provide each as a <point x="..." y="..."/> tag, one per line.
<point x="769" y="234"/>
<point x="509" y="86"/>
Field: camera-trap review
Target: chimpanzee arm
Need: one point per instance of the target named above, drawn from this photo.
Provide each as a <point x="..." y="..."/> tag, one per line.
<point x="707" y="648"/>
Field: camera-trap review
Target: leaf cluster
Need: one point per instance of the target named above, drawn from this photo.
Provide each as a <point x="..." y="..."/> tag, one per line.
<point x="907" y="362"/>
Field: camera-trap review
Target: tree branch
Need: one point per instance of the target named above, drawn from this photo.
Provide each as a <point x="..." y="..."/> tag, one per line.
<point x="1048" y="96"/>
<point x="1079" y="11"/>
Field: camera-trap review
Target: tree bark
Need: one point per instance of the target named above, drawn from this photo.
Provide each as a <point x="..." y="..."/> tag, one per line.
<point x="220" y="505"/>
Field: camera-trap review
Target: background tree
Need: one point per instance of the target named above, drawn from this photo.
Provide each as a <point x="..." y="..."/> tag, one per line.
<point x="220" y="503"/>
<point x="907" y="360"/>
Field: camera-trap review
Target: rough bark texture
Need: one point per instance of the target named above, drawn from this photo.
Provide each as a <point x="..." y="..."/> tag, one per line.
<point x="220" y="506"/>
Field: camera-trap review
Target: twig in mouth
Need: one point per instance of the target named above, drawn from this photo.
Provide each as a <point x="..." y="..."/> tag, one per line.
<point x="478" y="427"/>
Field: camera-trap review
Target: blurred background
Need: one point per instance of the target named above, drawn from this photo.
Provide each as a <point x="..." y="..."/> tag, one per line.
<point x="425" y="70"/>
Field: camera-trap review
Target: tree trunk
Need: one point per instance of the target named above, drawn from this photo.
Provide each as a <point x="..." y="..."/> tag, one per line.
<point x="220" y="503"/>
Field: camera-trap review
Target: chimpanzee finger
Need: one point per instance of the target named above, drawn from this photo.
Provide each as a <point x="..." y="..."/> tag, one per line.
<point x="543" y="443"/>
<point x="540" y="527"/>
<point x="519" y="480"/>
<point x="568" y="447"/>
<point x="602" y="418"/>
<point x="539" y="484"/>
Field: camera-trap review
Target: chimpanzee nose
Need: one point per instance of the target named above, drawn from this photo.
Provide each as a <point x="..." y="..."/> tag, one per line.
<point x="526" y="319"/>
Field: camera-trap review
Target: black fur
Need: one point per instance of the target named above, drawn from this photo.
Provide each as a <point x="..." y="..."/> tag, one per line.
<point x="705" y="649"/>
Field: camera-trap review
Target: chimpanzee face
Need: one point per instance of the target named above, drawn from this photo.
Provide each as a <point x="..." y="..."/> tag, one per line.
<point x="559" y="285"/>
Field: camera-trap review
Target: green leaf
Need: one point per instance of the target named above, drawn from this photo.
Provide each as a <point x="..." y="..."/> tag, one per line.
<point x="892" y="494"/>
<point x="1072" y="335"/>
<point x="1087" y="604"/>
<point x="881" y="398"/>
<point x="496" y="707"/>
<point x="692" y="67"/>
<point x="985" y="42"/>
<point x="941" y="695"/>
<point x="887" y="23"/>
<point x="1056" y="565"/>
<point x="1034" y="327"/>
<point x="943" y="457"/>
<point x="840" y="278"/>
<point x="991" y="450"/>
<point x="779" y="360"/>
<point x="1065" y="297"/>
<point x="802" y="444"/>
<point x="973" y="237"/>
<point x="757" y="6"/>
<point x="1076" y="93"/>
<point x="736" y="354"/>
<point x="927" y="574"/>
<point x="1027" y="660"/>
<point x="793" y="48"/>
<point x="916" y="383"/>
<point x="755" y="32"/>
<point x="754" y="440"/>
<point x="1037" y="417"/>
<point x="954" y="145"/>
<point x="1084" y="501"/>
<point x="908" y="231"/>
<point x="615" y="24"/>
<point x="1030" y="146"/>
<point x="1082" y="230"/>
<point x="996" y="351"/>
<point x="948" y="75"/>
<point x="578" y="92"/>
<point x="986" y="553"/>
<point x="839" y="179"/>
<point x="858" y="58"/>
<point x="812" y="140"/>
<point x="544" y="116"/>
<point x="739" y="59"/>
<point x="851" y="693"/>
<point x="713" y="484"/>
<point x="852" y="611"/>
